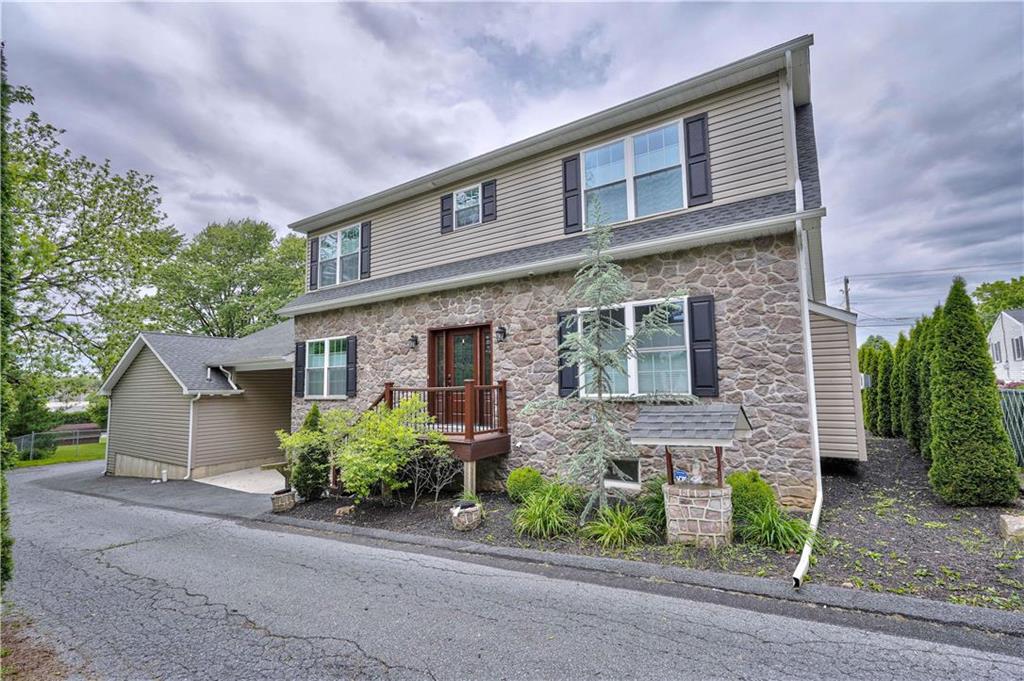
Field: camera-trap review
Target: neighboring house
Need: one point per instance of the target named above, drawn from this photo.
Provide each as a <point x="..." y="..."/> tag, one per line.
<point x="453" y="286"/>
<point x="195" y="406"/>
<point x="1006" y="345"/>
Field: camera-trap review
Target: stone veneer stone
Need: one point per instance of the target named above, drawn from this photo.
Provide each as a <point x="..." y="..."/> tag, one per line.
<point x="759" y="343"/>
<point x="698" y="514"/>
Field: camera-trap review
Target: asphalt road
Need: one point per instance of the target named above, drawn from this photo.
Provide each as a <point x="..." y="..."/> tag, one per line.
<point x="133" y="592"/>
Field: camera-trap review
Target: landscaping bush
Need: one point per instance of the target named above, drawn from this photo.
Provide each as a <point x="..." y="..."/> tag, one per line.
<point x="431" y="468"/>
<point x="973" y="462"/>
<point x="883" y="393"/>
<point x="572" y="497"/>
<point x="544" y="513"/>
<point x="750" y="494"/>
<point x="617" y="527"/>
<point x="772" y="527"/>
<point x="309" y="456"/>
<point x="651" y="504"/>
<point x="522" y="482"/>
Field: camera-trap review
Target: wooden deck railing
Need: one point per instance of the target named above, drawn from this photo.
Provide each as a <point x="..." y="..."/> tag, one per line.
<point x="462" y="411"/>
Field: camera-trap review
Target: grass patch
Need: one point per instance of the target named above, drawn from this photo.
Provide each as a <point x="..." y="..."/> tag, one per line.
<point x="68" y="454"/>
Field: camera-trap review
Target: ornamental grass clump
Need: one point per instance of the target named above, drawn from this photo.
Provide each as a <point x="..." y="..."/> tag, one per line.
<point x="617" y="527"/>
<point x="651" y="505"/>
<point x="772" y="527"/>
<point x="544" y="514"/>
<point x="750" y="494"/>
<point x="973" y="462"/>
<point x="522" y="482"/>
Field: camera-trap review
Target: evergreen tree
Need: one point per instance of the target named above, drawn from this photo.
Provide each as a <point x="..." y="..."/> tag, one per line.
<point x="865" y="363"/>
<point x="883" y="393"/>
<point x="896" y="385"/>
<point x="972" y="460"/>
<point x="927" y="376"/>
<point x="909" y="381"/>
<point x="311" y="458"/>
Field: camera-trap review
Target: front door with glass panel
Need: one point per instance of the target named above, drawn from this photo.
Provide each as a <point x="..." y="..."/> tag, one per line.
<point x="458" y="355"/>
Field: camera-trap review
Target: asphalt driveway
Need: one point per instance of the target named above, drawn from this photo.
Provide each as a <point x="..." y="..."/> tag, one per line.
<point x="130" y="591"/>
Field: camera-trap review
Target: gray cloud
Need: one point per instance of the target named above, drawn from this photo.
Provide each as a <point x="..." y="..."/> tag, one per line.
<point x="280" y="111"/>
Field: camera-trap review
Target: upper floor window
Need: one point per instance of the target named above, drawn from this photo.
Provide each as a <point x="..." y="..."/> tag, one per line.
<point x="634" y="177"/>
<point x="339" y="256"/>
<point x="997" y="352"/>
<point x="661" y="364"/>
<point x="467" y="206"/>
<point x="1018" y="348"/>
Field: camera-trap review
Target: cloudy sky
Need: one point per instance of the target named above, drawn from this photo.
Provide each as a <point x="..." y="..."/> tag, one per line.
<point x="278" y="111"/>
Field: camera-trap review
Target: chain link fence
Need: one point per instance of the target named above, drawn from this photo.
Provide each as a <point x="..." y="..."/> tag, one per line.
<point x="1012" y="402"/>
<point x="43" y="445"/>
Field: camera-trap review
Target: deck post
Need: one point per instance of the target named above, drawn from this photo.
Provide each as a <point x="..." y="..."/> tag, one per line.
<point x="389" y="395"/>
<point x="503" y="406"/>
<point x="718" y="460"/>
<point x="469" y="477"/>
<point x="469" y="410"/>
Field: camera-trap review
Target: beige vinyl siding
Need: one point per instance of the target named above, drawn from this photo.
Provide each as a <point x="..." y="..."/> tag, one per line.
<point x="149" y="413"/>
<point x="748" y="158"/>
<point x="240" y="428"/>
<point x="837" y="388"/>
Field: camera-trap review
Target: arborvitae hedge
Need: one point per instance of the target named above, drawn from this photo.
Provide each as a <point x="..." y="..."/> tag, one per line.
<point x="972" y="459"/>
<point x="896" y="386"/>
<point x="927" y="376"/>
<point x="911" y="388"/>
<point x="883" y="393"/>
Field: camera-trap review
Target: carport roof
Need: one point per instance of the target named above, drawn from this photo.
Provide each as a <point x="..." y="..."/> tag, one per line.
<point x="194" y="361"/>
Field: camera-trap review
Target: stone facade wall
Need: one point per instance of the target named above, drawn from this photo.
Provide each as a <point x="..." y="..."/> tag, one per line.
<point x="759" y="336"/>
<point x="698" y="514"/>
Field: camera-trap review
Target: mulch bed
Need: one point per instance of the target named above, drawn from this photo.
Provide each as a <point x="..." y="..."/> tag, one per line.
<point x="882" y="529"/>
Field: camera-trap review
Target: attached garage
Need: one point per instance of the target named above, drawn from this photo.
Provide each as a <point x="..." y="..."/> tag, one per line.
<point x="837" y="383"/>
<point x="195" y="406"/>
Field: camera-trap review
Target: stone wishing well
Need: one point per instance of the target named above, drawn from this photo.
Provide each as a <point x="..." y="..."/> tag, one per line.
<point x="698" y="514"/>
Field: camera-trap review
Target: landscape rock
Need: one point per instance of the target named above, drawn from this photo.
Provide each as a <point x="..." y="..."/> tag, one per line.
<point x="1011" y="527"/>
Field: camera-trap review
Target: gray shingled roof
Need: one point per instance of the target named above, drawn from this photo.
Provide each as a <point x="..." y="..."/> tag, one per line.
<point x="807" y="157"/>
<point x="757" y="208"/>
<point x="188" y="357"/>
<point x="689" y="424"/>
<point x="1017" y="314"/>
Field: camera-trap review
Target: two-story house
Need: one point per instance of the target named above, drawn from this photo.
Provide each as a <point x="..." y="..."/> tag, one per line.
<point x="454" y="287"/>
<point x="1006" y="345"/>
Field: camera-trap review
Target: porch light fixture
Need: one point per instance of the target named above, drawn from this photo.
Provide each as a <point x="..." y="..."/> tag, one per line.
<point x="501" y="334"/>
<point x="413" y="342"/>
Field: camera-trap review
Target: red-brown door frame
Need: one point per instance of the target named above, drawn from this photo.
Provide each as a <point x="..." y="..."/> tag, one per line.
<point x="449" y="407"/>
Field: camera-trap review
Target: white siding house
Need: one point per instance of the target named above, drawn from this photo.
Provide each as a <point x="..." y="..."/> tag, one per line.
<point x="1006" y="345"/>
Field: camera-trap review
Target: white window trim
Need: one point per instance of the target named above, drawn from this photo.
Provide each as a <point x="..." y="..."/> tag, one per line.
<point x="327" y="365"/>
<point x="479" y="207"/>
<point x="337" y="258"/>
<point x="627" y="141"/>
<point x="1018" y="348"/>
<point x="632" y="366"/>
<point x="615" y="483"/>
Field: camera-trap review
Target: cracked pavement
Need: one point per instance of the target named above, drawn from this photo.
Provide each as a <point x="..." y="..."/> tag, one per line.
<point x="133" y="592"/>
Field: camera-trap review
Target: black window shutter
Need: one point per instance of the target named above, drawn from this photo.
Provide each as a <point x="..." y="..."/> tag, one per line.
<point x="447" y="223"/>
<point x="314" y="260"/>
<point x="364" y="251"/>
<point x="568" y="376"/>
<point x="571" y="206"/>
<point x="300" y="369"/>
<point x="703" y="353"/>
<point x="698" y="160"/>
<point x="350" y="369"/>
<point x="489" y="190"/>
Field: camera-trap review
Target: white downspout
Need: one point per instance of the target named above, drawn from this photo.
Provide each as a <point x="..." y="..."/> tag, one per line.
<point x="106" y="447"/>
<point x="191" y="418"/>
<point x="805" y="319"/>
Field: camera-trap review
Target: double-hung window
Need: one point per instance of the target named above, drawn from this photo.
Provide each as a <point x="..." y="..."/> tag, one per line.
<point x="468" y="206"/>
<point x="997" y="352"/>
<point x="326" y="367"/>
<point x="339" y="256"/>
<point x="1018" y="348"/>
<point x="634" y="177"/>
<point x="661" y="363"/>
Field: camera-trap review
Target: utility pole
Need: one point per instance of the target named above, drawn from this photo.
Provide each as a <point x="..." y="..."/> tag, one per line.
<point x="846" y="292"/>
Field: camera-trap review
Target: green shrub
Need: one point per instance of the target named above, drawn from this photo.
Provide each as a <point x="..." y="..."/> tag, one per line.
<point x="309" y="455"/>
<point x="750" y="494"/>
<point x="651" y="504"/>
<point x="972" y="459"/>
<point x="522" y="482"/>
<point x="571" y="497"/>
<point x="544" y="513"/>
<point x="772" y="527"/>
<point x="883" y="392"/>
<point x="618" y="526"/>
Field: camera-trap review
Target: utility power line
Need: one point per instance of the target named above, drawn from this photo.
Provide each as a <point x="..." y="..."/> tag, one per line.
<point x="935" y="270"/>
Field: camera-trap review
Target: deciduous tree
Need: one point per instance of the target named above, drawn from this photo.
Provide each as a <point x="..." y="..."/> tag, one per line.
<point x="996" y="296"/>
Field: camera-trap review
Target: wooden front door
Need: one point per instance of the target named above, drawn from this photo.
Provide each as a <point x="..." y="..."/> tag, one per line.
<point x="458" y="355"/>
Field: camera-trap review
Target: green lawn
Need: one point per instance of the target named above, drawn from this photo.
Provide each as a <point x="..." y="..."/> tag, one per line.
<point x="68" y="454"/>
